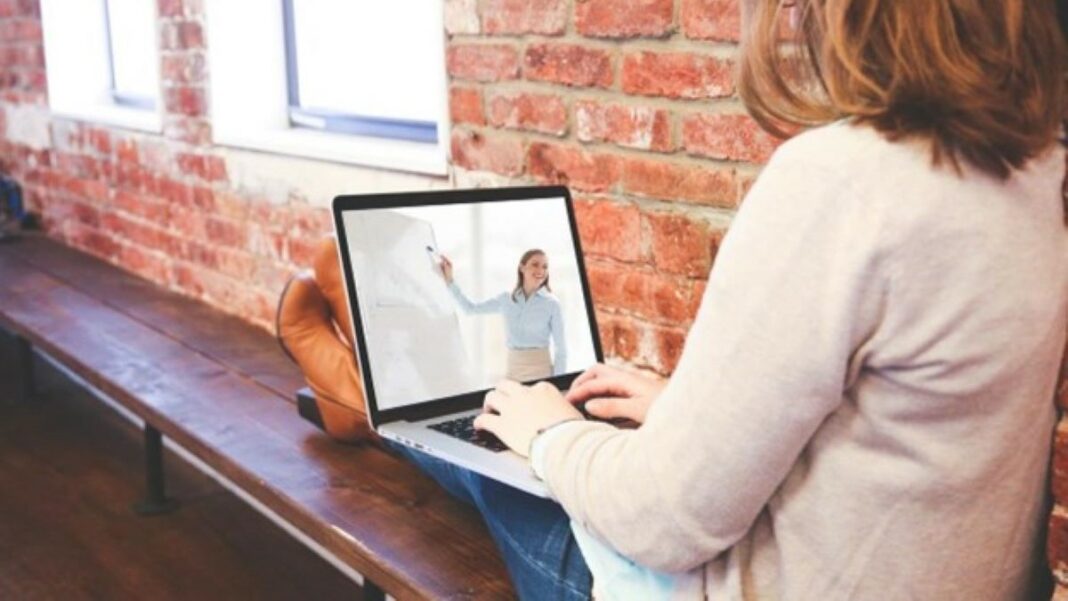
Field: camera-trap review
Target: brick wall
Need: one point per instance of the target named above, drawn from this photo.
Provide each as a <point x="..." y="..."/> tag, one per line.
<point x="629" y="102"/>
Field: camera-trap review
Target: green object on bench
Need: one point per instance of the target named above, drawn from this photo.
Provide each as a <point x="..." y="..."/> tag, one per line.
<point x="223" y="391"/>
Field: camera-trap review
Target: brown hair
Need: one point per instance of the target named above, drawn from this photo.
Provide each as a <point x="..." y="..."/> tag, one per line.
<point x="981" y="80"/>
<point x="519" y="272"/>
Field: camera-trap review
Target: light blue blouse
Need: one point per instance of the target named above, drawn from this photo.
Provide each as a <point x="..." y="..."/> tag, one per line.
<point x="530" y="322"/>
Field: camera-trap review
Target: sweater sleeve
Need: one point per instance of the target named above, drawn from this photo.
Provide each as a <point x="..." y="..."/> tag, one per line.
<point x="796" y="290"/>
<point x="491" y="305"/>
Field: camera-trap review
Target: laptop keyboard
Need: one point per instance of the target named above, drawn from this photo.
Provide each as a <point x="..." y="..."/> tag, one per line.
<point x="464" y="429"/>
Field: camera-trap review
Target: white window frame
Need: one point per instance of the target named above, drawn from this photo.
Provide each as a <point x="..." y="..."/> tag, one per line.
<point x="78" y="67"/>
<point x="250" y="96"/>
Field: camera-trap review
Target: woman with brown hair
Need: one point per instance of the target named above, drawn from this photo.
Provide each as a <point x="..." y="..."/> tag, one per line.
<point x="863" y="408"/>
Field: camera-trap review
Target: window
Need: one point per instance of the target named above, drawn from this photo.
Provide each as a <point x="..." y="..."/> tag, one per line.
<point x="319" y="35"/>
<point x="103" y="61"/>
<point x="131" y="33"/>
<point x="354" y="82"/>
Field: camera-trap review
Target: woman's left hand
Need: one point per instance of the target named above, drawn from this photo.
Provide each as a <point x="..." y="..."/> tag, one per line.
<point x="515" y="413"/>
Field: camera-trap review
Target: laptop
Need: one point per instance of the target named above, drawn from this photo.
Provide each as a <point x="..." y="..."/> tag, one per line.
<point x="429" y="349"/>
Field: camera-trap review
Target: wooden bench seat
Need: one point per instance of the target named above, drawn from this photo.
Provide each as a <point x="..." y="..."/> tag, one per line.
<point x="222" y="390"/>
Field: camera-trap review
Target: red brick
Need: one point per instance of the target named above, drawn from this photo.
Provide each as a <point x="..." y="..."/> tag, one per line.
<point x="142" y="206"/>
<point x="726" y="136"/>
<point x="681" y="245"/>
<point x="214" y="169"/>
<point x="153" y="266"/>
<point x="183" y="68"/>
<point x="28" y="30"/>
<point x="465" y="106"/>
<point x="680" y="182"/>
<point x="718" y="20"/>
<point x="126" y="151"/>
<point x="676" y="75"/>
<point x="190" y="164"/>
<point x="626" y="337"/>
<point x="204" y="167"/>
<point x="78" y="165"/>
<point x="661" y="298"/>
<point x="189" y="279"/>
<point x="669" y="345"/>
<point x="545" y="113"/>
<point x="568" y="64"/>
<point x="181" y="35"/>
<point x="170" y="8"/>
<point x="198" y="253"/>
<point x="204" y="199"/>
<point x="609" y="229"/>
<point x="472" y="150"/>
<point x="91" y="240"/>
<point x="483" y="62"/>
<point x="225" y="232"/>
<point x="96" y="191"/>
<point x="605" y="284"/>
<point x="624" y="18"/>
<point x="606" y="332"/>
<point x="574" y="167"/>
<point x="188" y="223"/>
<point x="638" y="127"/>
<point x="29" y="8"/>
<point x="1059" y="476"/>
<point x="85" y="213"/>
<point x="100" y="140"/>
<point x="26" y="55"/>
<point x="545" y="17"/>
<point x="673" y="299"/>
<point x="1057" y="540"/>
<point x="191" y="131"/>
<point x="174" y="192"/>
<point x="185" y="100"/>
<point x="236" y="263"/>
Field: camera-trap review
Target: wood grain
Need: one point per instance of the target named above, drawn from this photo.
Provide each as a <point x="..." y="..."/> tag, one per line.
<point x="195" y="384"/>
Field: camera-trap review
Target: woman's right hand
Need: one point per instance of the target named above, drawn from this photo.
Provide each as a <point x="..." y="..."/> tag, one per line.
<point x="446" y="269"/>
<point x="610" y="392"/>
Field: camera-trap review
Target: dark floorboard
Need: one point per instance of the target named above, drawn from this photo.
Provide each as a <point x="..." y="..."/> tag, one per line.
<point x="70" y="468"/>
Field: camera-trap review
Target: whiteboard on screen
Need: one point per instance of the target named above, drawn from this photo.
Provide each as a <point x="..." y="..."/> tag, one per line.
<point x="409" y="318"/>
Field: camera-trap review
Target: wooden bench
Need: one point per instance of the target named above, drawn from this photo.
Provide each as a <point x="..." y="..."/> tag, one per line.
<point x="222" y="391"/>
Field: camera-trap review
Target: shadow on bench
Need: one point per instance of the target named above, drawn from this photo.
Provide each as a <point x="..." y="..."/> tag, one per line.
<point x="221" y="390"/>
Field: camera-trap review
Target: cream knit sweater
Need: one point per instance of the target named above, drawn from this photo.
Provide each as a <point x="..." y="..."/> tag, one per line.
<point x="863" y="409"/>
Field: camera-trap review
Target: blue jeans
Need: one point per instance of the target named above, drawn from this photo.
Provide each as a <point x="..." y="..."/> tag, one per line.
<point x="532" y="534"/>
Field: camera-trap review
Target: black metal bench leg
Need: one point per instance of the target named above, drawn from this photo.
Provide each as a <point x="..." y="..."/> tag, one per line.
<point x="24" y="359"/>
<point x="372" y="592"/>
<point x="155" y="501"/>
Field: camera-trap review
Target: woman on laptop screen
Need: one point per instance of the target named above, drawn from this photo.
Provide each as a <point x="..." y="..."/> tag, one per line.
<point x="532" y="316"/>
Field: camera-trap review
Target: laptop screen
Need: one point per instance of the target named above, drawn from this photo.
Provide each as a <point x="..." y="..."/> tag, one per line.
<point x="452" y="298"/>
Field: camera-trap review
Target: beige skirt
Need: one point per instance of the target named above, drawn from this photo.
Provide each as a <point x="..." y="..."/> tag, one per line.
<point x="525" y="365"/>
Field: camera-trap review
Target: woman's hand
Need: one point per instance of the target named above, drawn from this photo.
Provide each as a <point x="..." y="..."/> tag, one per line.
<point x="612" y="393"/>
<point x="515" y="413"/>
<point x="446" y="269"/>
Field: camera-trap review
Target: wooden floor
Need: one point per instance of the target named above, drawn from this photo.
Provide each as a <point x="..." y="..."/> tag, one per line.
<point x="70" y="468"/>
